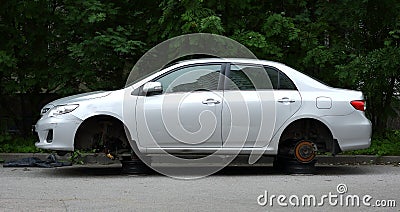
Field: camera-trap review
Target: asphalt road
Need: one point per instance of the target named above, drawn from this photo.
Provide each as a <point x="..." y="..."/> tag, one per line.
<point x="103" y="188"/>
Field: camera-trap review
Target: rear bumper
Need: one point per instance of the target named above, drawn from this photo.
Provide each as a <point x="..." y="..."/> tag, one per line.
<point x="57" y="133"/>
<point x="352" y="132"/>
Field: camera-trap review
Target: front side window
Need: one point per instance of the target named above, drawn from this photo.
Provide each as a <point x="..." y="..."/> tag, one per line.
<point x="192" y="78"/>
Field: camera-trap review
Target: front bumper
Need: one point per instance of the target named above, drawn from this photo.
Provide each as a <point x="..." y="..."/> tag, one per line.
<point x="57" y="133"/>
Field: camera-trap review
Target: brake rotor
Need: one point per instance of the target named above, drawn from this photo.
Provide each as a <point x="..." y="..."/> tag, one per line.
<point x="304" y="151"/>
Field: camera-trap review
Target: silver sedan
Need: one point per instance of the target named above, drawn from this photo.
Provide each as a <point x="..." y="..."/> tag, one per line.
<point x="208" y="106"/>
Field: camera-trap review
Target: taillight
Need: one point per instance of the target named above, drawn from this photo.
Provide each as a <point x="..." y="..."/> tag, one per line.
<point x="358" y="104"/>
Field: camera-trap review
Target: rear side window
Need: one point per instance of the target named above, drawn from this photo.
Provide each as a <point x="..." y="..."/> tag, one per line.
<point x="247" y="77"/>
<point x="285" y="83"/>
<point x="257" y="77"/>
<point x="279" y="80"/>
<point x="273" y="75"/>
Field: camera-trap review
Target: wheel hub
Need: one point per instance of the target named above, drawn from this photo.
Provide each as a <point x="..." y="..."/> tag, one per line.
<point x="304" y="151"/>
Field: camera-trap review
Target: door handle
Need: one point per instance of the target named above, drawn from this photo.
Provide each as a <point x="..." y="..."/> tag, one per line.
<point x="286" y="100"/>
<point x="210" y="101"/>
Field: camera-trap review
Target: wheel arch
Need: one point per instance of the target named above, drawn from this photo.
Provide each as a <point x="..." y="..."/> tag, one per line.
<point x="311" y="128"/>
<point x="88" y="126"/>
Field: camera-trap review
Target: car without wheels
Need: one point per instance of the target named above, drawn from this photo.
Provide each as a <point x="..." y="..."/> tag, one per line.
<point x="244" y="105"/>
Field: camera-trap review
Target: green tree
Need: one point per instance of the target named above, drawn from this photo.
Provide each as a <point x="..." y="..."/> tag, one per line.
<point x="71" y="46"/>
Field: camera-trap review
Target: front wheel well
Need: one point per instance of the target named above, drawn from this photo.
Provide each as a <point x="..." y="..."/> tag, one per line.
<point x="102" y="133"/>
<point x="312" y="130"/>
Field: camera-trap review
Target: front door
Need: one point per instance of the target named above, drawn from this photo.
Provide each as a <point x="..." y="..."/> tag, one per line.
<point x="187" y="114"/>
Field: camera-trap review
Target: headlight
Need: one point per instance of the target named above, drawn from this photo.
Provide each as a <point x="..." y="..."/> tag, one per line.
<point x="44" y="111"/>
<point x="62" y="109"/>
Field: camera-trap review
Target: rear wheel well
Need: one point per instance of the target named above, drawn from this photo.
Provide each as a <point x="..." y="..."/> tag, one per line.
<point x="102" y="133"/>
<point x="308" y="129"/>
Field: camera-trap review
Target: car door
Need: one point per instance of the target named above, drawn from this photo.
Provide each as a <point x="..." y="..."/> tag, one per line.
<point x="287" y="98"/>
<point x="187" y="113"/>
<point x="254" y="106"/>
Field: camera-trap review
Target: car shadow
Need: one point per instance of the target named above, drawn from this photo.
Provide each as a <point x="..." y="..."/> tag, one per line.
<point x="267" y="170"/>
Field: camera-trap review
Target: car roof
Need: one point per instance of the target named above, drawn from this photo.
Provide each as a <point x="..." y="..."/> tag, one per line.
<point x="231" y="60"/>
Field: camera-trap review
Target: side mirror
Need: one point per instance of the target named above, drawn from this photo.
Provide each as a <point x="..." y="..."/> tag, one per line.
<point x="152" y="87"/>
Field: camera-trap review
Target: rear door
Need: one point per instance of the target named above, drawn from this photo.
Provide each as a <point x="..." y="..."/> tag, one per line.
<point x="287" y="97"/>
<point x="258" y="100"/>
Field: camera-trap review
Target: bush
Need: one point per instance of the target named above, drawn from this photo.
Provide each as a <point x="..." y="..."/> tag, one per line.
<point x="9" y="143"/>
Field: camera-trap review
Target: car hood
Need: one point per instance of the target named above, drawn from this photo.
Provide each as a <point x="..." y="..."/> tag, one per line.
<point x="78" y="97"/>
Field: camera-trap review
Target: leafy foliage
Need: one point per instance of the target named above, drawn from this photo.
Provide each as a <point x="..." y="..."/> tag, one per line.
<point x="10" y="143"/>
<point x="74" y="46"/>
<point x="76" y="158"/>
<point x="377" y="74"/>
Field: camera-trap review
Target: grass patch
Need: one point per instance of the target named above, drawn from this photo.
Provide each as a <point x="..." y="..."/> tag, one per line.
<point x="384" y="144"/>
<point x="18" y="144"/>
